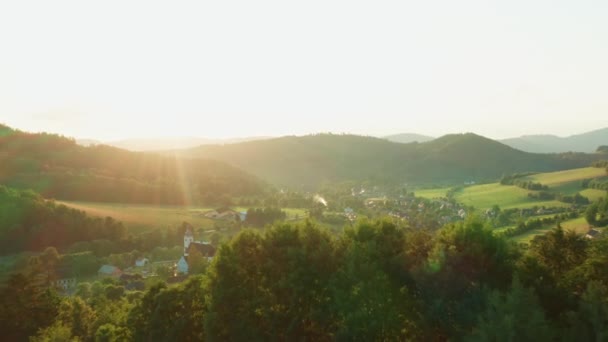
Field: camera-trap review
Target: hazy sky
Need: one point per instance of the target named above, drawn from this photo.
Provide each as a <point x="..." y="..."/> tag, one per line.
<point x="116" y="69"/>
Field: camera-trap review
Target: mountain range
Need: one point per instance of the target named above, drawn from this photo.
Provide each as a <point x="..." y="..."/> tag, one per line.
<point x="542" y="143"/>
<point x="58" y="167"/>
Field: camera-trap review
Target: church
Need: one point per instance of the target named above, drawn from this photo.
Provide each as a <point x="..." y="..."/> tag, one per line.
<point x="204" y="248"/>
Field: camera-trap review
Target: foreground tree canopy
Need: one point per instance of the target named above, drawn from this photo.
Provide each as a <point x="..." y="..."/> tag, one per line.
<point x="375" y="281"/>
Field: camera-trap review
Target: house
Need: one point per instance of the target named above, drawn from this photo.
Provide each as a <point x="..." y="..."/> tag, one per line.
<point x="109" y="271"/>
<point x="592" y="234"/>
<point x="141" y="262"/>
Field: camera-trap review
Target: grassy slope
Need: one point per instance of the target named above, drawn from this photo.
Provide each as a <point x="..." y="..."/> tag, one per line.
<point x="568" y="181"/>
<point x="485" y="196"/>
<point x="145" y="217"/>
<point x="579" y="225"/>
<point x="431" y="193"/>
<point x="505" y="196"/>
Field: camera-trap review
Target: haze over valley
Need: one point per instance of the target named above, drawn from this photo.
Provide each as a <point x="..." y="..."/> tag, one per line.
<point x="303" y="171"/>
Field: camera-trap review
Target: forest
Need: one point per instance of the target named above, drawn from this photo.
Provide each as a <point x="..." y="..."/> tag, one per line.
<point x="375" y="281"/>
<point x="57" y="167"/>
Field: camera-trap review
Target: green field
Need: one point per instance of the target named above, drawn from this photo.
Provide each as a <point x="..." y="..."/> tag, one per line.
<point x="554" y="179"/>
<point x="506" y="196"/>
<point x="567" y="182"/>
<point x="487" y="195"/>
<point x="579" y="225"/>
<point x="431" y="193"/>
<point x="150" y="216"/>
<point x="593" y="194"/>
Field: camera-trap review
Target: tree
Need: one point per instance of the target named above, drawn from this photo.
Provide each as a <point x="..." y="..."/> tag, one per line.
<point x="370" y="299"/>
<point x="114" y="292"/>
<point x="197" y="263"/>
<point x="559" y="250"/>
<point x="170" y="314"/>
<point x="54" y="333"/>
<point x="591" y="214"/>
<point x="515" y="316"/>
<point x="467" y="257"/>
<point x="26" y="307"/>
<point x="590" y="321"/>
<point x="110" y="333"/>
<point x="277" y="284"/>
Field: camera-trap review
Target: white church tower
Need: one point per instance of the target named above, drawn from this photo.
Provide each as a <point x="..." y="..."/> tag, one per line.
<point x="188" y="238"/>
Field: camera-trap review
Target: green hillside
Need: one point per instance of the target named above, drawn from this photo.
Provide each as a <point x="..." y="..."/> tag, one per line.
<point x="57" y="167"/>
<point x="309" y="161"/>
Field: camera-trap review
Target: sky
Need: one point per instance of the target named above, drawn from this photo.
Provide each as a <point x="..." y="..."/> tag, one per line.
<point x="111" y="70"/>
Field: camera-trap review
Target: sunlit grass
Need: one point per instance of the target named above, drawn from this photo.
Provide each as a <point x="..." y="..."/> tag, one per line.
<point x="555" y="179"/>
<point x="431" y="193"/>
<point x="569" y="182"/>
<point x="594" y="194"/>
<point x="578" y="225"/>
<point x="505" y="196"/>
<point x="145" y="217"/>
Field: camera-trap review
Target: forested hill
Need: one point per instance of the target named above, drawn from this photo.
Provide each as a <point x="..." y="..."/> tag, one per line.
<point x="308" y="161"/>
<point x="29" y="222"/>
<point x="57" y="167"/>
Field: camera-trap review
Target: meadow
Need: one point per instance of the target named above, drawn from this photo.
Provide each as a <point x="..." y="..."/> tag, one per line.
<point x="144" y="217"/>
<point x="508" y="196"/>
<point x="578" y="225"/>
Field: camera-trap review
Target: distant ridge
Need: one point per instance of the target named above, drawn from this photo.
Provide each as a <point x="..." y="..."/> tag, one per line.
<point x="312" y="160"/>
<point x="406" y="138"/>
<point x="161" y="144"/>
<point x="175" y="143"/>
<point x="586" y="142"/>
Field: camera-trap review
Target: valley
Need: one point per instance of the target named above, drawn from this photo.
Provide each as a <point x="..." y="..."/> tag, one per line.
<point x="100" y="224"/>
